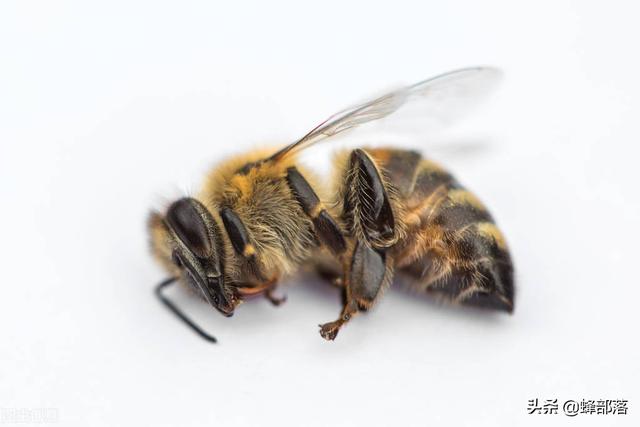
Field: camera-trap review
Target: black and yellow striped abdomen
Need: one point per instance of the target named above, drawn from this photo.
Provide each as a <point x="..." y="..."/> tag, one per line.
<point x="452" y="247"/>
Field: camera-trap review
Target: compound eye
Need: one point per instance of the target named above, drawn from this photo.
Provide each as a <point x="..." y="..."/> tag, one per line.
<point x="186" y="221"/>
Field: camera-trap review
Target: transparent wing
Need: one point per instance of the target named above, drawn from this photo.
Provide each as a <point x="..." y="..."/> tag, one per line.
<point x="440" y="99"/>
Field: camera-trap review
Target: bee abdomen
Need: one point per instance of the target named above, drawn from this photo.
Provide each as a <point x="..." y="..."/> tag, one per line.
<point x="471" y="266"/>
<point x="453" y="247"/>
<point x="460" y="210"/>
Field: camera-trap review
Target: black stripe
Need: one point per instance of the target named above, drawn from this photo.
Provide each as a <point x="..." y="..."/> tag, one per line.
<point x="400" y="168"/>
<point x="456" y="216"/>
<point x="428" y="182"/>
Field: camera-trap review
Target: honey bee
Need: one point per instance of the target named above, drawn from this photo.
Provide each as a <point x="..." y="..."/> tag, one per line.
<point x="260" y="217"/>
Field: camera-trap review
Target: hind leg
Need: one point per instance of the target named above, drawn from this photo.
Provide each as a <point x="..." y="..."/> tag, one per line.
<point x="369" y="213"/>
<point x="368" y="273"/>
<point x="330" y="275"/>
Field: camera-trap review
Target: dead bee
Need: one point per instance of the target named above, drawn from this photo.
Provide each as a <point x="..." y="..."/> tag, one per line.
<point x="259" y="217"/>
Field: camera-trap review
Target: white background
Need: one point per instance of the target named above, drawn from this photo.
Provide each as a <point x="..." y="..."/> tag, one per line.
<point x="108" y="110"/>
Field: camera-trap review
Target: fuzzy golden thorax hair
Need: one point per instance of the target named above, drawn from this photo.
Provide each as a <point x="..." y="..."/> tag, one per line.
<point x="279" y="232"/>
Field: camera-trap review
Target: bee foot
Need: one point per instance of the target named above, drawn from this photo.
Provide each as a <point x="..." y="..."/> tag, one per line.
<point x="275" y="300"/>
<point x="329" y="331"/>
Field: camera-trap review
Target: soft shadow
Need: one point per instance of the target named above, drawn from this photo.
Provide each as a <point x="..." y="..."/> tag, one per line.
<point x="403" y="290"/>
<point x="312" y="300"/>
<point x="315" y="290"/>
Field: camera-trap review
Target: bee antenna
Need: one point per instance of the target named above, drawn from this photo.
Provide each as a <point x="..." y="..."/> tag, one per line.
<point x="175" y="310"/>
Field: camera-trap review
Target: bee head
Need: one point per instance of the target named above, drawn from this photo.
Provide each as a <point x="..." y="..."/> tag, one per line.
<point x="187" y="241"/>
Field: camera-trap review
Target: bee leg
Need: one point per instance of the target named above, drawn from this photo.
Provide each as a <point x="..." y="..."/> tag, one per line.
<point x="276" y="301"/>
<point x="330" y="271"/>
<point x="239" y="237"/>
<point x="369" y="272"/>
<point x="326" y="228"/>
<point x="269" y="289"/>
<point x="367" y="208"/>
<point x="331" y="277"/>
<point x="329" y="331"/>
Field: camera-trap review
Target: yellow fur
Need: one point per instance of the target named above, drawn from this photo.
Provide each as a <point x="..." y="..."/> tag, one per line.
<point x="279" y="232"/>
<point x="493" y="232"/>
<point x="461" y="196"/>
<point x="281" y="236"/>
<point x="160" y="240"/>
